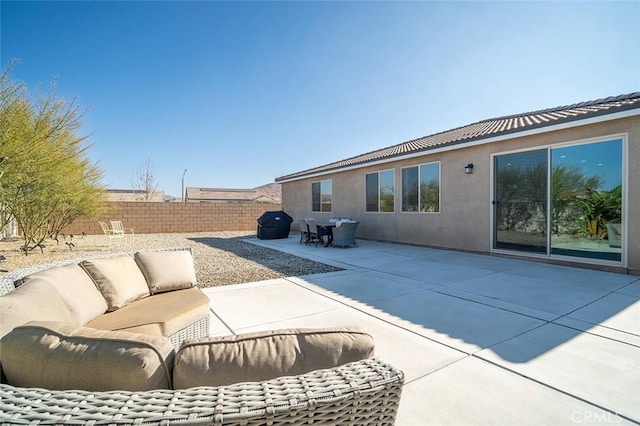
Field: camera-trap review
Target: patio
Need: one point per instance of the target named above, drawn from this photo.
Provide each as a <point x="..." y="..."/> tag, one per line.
<point x="481" y="339"/>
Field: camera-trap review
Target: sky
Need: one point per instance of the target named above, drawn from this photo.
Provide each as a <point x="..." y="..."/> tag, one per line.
<point x="240" y="93"/>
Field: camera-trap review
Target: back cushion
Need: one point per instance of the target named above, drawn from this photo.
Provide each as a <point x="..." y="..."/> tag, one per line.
<point x="167" y="270"/>
<point x="118" y="278"/>
<point x="76" y="288"/>
<point x="38" y="300"/>
<point x="266" y="355"/>
<point x="60" y="356"/>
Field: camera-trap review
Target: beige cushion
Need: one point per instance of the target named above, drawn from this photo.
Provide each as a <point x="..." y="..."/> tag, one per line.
<point x="76" y="288"/>
<point x="267" y="355"/>
<point x="118" y="278"/>
<point x="170" y="311"/>
<point x="152" y="329"/>
<point x="37" y="300"/>
<point x="167" y="270"/>
<point x="54" y="355"/>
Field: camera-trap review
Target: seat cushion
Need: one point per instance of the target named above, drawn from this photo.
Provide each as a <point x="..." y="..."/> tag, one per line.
<point x="118" y="278"/>
<point x="151" y="329"/>
<point x="38" y="300"/>
<point x="171" y="311"/>
<point x="266" y="355"/>
<point x="61" y="356"/>
<point x="167" y="270"/>
<point x="76" y="288"/>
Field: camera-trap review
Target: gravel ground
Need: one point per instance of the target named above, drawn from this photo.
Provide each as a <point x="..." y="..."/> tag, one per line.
<point x="220" y="257"/>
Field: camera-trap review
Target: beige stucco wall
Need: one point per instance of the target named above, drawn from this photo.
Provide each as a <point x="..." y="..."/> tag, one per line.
<point x="464" y="221"/>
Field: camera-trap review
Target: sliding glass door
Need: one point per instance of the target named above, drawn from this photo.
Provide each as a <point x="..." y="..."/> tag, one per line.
<point x="561" y="201"/>
<point x="520" y="201"/>
<point x="586" y="190"/>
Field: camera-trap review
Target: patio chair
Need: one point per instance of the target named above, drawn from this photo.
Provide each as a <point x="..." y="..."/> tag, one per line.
<point x="304" y="231"/>
<point x="344" y="234"/>
<point x="315" y="233"/>
<point x="119" y="229"/>
<point x="108" y="232"/>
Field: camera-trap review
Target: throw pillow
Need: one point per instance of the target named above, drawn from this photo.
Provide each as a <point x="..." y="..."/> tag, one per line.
<point x="167" y="270"/>
<point x="76" y="288"/>
<point x="118" y="278"/>
<point x="38" y="300"/>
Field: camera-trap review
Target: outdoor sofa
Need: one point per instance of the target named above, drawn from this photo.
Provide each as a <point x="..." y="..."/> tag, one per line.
<point x="101" y="348"/>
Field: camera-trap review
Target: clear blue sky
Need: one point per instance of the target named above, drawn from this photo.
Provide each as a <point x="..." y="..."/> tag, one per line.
<point x="240" y="93"/>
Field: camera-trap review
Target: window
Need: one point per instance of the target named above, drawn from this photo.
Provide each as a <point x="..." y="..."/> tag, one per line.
<point x="380" y="190"/>
<point x="421" y="188"/>
<point x="321" y="196"/>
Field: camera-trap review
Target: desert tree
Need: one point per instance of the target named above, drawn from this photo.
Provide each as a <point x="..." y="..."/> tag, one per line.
<point x="47" y="181"/>
<point x="9" y="110"/>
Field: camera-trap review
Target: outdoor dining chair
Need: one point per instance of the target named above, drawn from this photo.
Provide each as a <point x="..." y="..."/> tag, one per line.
<point x="315" y="233"/>
<point x="344" y="234"/>
<point x="304" y="231"/>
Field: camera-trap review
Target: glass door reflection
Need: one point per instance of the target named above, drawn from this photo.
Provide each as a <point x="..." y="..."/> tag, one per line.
<point x="520" y="201"/>
<point x="586" y="204"/>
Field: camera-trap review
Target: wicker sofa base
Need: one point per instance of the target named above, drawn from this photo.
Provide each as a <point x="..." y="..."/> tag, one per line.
<point x="366" y="392"/>
<point x="194" y="331"/>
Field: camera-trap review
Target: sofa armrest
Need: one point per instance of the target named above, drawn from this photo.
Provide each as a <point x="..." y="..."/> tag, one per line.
<point x="358" y="393"/>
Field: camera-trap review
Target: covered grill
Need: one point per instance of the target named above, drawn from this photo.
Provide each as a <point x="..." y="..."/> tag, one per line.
<point x="272" y="225"/>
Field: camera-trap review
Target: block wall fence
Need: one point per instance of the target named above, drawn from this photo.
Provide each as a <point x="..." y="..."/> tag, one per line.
<point x="152" y="218"/>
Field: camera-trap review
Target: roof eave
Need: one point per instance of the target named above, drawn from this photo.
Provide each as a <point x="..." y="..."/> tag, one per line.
<point x="481" y="140"/>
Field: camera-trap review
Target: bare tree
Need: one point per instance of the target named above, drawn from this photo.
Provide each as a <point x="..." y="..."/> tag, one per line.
<point x="145" y="181"/>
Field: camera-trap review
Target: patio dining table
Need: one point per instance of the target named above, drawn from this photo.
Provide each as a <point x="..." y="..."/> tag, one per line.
<point x="328" y="226"/>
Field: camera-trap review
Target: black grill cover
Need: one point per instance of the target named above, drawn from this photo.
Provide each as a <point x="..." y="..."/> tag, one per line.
<point x="272" y="225"/>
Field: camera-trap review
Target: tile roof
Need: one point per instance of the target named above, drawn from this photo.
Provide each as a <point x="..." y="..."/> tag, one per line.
<point x="265" y="193"/>
<point x="485" y="129"/>
<point x="134" y="195"/>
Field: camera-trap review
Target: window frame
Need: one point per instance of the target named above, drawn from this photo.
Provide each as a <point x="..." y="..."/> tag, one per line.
<point x="322" y="184"/>
<point x="623" y="262"/>
<point x="379" y="192"/>
<point x="419" y="178"/>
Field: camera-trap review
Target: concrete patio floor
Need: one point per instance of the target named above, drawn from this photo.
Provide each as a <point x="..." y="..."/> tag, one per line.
<point x="481" y="339"/>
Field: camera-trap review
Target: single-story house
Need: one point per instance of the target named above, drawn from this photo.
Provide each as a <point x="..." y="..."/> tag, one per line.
<point x="269" y="193"/>
<point x="560" y="184"/>
<point x="134" y="195"/>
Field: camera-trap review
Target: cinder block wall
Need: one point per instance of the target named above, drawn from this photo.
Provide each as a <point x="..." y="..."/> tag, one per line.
<point x="151" y="218"/>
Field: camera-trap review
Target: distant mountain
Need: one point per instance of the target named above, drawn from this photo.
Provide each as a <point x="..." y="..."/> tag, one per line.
<point x="271" y="190"/>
